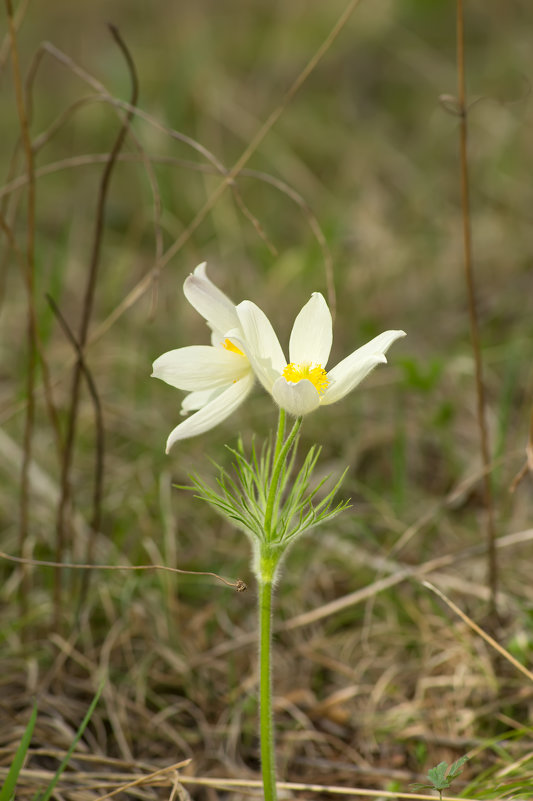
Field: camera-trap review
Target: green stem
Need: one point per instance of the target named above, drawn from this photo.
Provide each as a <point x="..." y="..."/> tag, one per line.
<point x="280" y="456"/>
<point x="280" y="434"/>
<point x="266" y="729"/>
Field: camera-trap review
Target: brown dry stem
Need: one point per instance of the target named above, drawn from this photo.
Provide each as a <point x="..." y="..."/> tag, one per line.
<point x="492" y="577"/>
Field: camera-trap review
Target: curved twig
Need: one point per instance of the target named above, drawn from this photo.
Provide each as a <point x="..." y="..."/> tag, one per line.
<point x="96" y="520"/>
<point x="31" y="314"/>
<point x="472" y="312"/>
<point x="84" y="325"/>
<point x="238" y="584"/>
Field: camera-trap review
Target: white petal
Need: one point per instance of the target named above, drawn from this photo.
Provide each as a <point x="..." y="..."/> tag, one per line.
<point x="195" y="400"/>
<point x="312" y="333"/>
<point x="217" y="339"/>
<point x="260" y="343"/>
<point x="209" y="300"/>
<point x="347" y="374"/>
<point x="214" y="412"/>
<point x="296" y="398"/>
<point x="200" y="367"/>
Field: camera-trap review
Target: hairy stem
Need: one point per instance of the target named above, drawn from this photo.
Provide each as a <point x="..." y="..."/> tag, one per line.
<point x="266" y="728"/>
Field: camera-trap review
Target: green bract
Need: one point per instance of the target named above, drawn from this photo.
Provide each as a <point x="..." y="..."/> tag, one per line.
<point x="273" y="503"/>
<point x="267" y="499"/>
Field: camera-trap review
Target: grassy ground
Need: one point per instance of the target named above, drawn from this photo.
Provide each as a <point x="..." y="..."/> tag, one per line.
<point x="361" y="172"/>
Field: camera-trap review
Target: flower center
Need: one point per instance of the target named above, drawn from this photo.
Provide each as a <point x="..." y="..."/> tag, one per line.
<point x="314" y="373"/>
<point x="228" y="344"/>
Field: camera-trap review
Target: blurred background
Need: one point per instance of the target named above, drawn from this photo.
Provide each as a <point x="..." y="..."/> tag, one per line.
<point x="354" y="192"/>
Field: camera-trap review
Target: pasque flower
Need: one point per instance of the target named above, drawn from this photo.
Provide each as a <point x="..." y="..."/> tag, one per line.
<point x="218" y="377"/>
<point x="303" y="384"/>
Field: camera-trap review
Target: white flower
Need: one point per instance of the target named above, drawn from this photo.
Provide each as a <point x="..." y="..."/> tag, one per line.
<point x="218" y="377"/>
<point x="303" y="384"/>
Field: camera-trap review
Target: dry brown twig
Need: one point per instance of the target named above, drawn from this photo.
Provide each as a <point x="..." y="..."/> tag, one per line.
<point x="47" y="382"/>
<point x="18" y="19"/>
<point x="478" y="630"/>
<point x="472" y="311"/>
<point x="101" y="95"/>
<point x="96" y="519"/>
<point x="31" y="313"/>
<point x="87" y="307"/>
<point x="238" y="584"/>
<point x="528" y="466"/>
<point x="168" y="776"/>
<point x="99" y="780"/>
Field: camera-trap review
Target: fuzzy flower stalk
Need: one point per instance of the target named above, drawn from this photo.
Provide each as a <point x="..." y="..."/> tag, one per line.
<point x="266" y="496"/>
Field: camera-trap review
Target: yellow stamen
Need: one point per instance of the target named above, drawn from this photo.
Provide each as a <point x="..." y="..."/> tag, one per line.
<point x="314" y="373"/>
<point x="228" y="344"/>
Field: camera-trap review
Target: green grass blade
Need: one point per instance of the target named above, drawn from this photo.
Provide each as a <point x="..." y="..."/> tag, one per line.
<point x="6" y="793"/>
<point x="51" y="787"/>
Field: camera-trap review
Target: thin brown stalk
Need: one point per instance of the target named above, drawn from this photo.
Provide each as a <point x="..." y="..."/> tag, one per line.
<point x="317" y="789"/>
<point x="528" y="466"/>
<point x="48" y="394"/>
<point x="21" y="144"/>
<point x="17" y="22"/>
<point x="102" y="96"/>
<point x="43" y="138"/>
<point x="478" y="630"/>
<point x="9" y="210"/>
<point x="88" y="301"/>
<point x="31" y="316"/>
<point x="472" y="311"/>
<point x="238" y="584"/>
<point x="96" y="518"/>
<point x="10" y="213"/>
